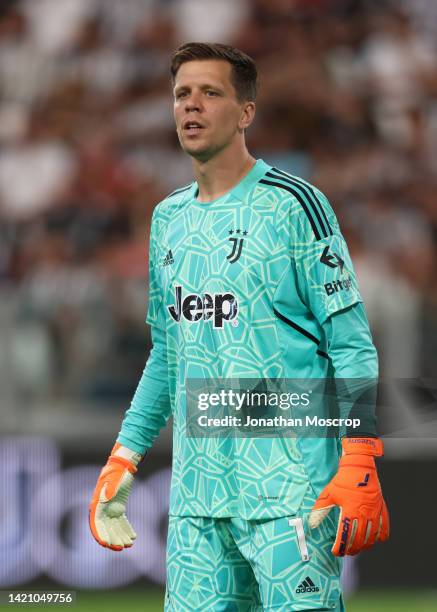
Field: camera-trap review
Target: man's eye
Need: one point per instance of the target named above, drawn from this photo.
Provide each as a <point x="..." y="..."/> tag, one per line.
<point x="181" y="94"/>
<point x="211" y="93"/>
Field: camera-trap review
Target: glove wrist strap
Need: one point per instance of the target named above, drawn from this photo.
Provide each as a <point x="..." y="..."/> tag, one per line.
<point x="118" y="457"/>
<point x="363" y="446"/>
<point x="124" y="462"/>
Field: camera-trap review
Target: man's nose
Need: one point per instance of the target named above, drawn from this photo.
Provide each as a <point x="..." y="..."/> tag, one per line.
<point x="193" y="103"/>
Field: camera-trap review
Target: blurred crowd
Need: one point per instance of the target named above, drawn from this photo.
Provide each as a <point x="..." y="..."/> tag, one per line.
<point x="348" y="100"/>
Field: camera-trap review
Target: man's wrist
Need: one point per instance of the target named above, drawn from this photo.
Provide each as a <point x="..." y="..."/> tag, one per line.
<point x="126" y="453"/>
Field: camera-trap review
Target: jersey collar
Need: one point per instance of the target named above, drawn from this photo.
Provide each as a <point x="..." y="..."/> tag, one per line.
<point x="241" y="189"/>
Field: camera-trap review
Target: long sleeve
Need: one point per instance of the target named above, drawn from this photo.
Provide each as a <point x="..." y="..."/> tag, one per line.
<point x="150" y="407"/>
<point x="328" y="286"/>
<point x="355" y="364"/>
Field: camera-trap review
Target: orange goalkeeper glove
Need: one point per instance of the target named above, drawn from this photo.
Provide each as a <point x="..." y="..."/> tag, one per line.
<point x="107" y="510"/>
<point x="356" y="490"/>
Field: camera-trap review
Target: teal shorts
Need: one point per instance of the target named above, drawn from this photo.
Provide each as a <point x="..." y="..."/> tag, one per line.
<point x="232" y="564"/>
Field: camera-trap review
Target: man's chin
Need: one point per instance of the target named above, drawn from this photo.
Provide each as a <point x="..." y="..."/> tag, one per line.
<point x="197" y="151"/>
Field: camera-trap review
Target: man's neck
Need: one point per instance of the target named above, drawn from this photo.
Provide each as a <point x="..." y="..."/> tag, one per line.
<point x="220" y="174"/>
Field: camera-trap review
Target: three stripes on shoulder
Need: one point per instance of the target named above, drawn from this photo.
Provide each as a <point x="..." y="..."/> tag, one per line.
<point x="306" y="197"/>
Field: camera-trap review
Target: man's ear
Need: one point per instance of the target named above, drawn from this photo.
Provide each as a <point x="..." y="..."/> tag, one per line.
<point x="247" y="116"/>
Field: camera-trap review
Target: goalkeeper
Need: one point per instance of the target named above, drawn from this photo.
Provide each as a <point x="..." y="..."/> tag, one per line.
<point x="250" y="277"/>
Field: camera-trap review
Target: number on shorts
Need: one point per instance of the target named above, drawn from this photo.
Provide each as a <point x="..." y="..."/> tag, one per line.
<point x="297" y="523"/>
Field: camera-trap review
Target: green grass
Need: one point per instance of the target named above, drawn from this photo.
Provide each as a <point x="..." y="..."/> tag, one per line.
<point x="137" y="600"/>
<point x="393" y="601"/>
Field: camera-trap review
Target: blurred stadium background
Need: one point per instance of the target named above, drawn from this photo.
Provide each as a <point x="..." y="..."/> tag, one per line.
<point x="348" y="100"/>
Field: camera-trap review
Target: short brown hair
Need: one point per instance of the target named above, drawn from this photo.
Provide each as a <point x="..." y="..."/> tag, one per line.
<point x="244" y="72"/>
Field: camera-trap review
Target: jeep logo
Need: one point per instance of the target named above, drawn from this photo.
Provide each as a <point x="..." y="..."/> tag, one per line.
<point x="219" y="306"/>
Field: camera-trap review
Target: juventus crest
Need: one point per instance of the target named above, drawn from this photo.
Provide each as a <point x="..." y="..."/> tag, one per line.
<point x="237" y="245"/>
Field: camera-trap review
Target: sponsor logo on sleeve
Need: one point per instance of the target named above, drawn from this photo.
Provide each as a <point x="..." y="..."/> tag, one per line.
<point x="339" y="285"/>
<point x="332" y="261"/>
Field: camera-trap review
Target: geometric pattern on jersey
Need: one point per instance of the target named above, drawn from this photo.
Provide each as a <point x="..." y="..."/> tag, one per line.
<point x="241" y="287"/>
<point x="234" y="564"/>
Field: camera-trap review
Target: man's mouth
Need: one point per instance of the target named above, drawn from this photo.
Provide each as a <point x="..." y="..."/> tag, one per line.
<point x="192" y="127"/>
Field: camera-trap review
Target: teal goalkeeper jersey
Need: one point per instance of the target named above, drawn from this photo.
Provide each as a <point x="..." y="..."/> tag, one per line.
<point x="241" y="288"/>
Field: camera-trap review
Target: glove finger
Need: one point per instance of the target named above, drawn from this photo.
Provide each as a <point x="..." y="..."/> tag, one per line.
<point x="317" y="516"/>
<point x="384" y="524"/>
<point x="370" y="533"/>
<point x="102" y="532"/>
<point x="127" y="528"/>
<point x="123" y="536"/>
<point x="321" y="508"/>
<point x="346" y="526"/>
<point x="97" y="525"/>
<point x="356" y="540"/>
<point x="374" y="527"/>
<point x="116" y="538"/>
<point x="126" y="531"/>
<point x="370" y="520"/>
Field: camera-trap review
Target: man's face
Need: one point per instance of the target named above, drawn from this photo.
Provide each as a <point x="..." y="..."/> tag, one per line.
<point x="207" y="113"/>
